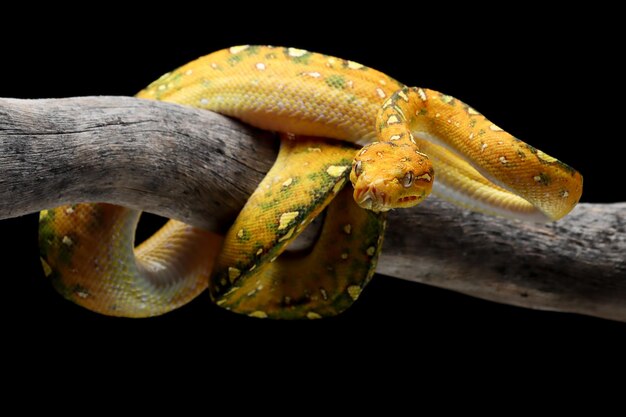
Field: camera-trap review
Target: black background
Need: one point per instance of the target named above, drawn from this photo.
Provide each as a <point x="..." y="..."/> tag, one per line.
<point x="546" y="77"/>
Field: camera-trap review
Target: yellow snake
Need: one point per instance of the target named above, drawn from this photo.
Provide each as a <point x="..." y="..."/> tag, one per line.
<point x="414" y="140"/>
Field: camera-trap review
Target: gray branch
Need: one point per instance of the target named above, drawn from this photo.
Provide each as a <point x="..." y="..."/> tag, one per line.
<point x="191" y="165"/>
<point x="200" y="167"/>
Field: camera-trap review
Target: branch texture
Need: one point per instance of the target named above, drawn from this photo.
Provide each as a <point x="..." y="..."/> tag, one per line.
<point x="200" y="167"/>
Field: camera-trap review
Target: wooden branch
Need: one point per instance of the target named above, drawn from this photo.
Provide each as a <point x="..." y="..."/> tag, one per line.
<point x="577" y="264"/>
<point x="200" y="168"/>
<point x="192" y="165"/>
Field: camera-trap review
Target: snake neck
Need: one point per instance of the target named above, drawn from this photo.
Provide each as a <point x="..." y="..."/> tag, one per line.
<point x="479" y="165"/>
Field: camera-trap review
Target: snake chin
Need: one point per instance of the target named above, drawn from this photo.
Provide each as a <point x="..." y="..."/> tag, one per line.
<point x="376" y="200"/>
<point x="371" y="199"/>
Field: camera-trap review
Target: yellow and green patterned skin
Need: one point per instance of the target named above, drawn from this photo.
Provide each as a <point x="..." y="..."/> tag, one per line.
<point x="414" y="140"/>
<point x="251" y="278"/>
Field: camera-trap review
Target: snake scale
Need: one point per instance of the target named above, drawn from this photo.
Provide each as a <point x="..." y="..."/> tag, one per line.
<point x="340" y="122"/>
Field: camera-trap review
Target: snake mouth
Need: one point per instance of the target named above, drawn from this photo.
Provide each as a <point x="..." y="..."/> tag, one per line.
<point x="372" y="199"/>
<point x="375" y="200"/>
<point x="407" y="199"/>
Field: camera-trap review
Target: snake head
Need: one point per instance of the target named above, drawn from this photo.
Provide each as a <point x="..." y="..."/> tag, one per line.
<point x="386" y="175"/>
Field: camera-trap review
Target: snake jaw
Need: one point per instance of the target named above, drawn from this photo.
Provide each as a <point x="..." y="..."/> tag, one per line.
<point x="370" y="198"/>
<point x="382" y="195"/>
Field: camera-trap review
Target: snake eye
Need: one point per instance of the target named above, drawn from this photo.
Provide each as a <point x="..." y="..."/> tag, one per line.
<point x="407" y="181"/>
<point x="358" y="168"/>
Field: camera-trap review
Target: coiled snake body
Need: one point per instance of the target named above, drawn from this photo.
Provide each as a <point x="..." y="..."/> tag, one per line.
<point x="415" y="140"/>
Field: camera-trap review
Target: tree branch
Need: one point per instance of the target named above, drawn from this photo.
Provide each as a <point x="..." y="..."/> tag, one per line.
<point x="192" y="165"/>
<point x="200" y="167"/>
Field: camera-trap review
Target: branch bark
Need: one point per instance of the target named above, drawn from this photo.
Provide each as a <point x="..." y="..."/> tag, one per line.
<point x="200" y="167"/>
<point x="192" y="165"/>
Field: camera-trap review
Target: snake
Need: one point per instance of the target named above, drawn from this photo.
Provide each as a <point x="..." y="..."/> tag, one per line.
<point x="339" y="122"/>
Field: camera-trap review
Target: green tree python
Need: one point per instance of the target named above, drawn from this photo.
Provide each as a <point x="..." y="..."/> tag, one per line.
<point x="339" y="121"/>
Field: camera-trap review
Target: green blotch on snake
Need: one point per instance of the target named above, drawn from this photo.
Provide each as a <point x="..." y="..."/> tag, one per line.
<point x="252" y="50"/>
<point x="318" y="195"/>
<point x="353" y="65"/>
<point x="234" y="60"/>
<point x="176" y="78"/>
<point x="167" y="83"/>
<point x="64" y="254"/>
<point x="302" y="59"/>
<point x="50" y="215"/>
<point x="47" y="235"/>
<point x="314" y="177"/>
<point x="447" y="99"/>
<point x="290" y="191"/>
<point x="325" y="183"/>
<point x="268" y="204"/>
<point x="336" y="81"/>
<point x="243" y="235"/>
